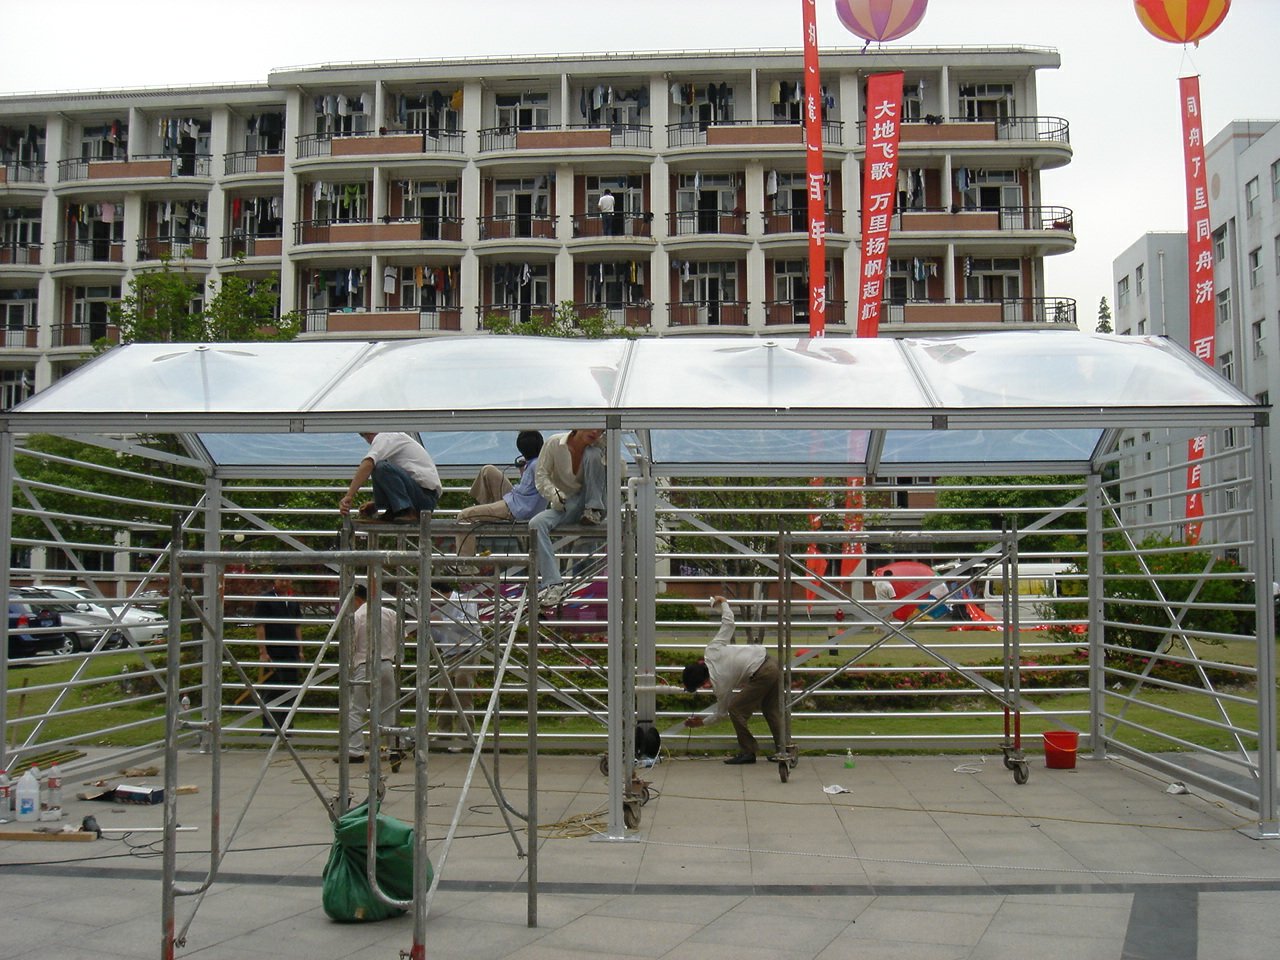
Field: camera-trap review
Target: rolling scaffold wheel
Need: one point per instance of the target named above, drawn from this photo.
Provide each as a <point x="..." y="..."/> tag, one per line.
<point x="1015" y="761"/>
<point x="787" y="762"/>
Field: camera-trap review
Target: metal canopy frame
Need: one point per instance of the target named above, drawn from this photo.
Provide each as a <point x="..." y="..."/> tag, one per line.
<point x="1024" y="388"/>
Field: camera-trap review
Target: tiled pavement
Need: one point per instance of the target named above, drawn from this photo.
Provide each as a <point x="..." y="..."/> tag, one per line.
<point x="919" y="860"/>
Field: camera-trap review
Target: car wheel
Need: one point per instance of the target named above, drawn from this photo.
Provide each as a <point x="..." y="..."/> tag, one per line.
<point x="68" y="646"/>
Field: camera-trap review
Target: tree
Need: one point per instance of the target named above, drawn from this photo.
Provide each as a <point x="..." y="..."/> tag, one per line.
<point x="164" y="306"/>
<point x="981" y="503"/>
<point x="1104" y="317"/>
<point x="565" y="321"/>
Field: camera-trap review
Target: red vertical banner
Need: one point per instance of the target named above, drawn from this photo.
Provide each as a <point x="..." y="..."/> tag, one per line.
<point x="1199" y="277"/>
<point x="879" y="186"/>
<point x="814" y="174"/>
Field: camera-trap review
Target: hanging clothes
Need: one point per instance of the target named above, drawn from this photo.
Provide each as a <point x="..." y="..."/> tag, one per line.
<point x="389" y="279"/>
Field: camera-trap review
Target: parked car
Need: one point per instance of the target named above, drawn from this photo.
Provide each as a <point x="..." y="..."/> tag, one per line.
<point x="27" y="616"/>
<point x="86" y="617"/>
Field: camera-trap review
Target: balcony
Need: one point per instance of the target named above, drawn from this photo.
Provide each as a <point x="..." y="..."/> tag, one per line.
<point x="20" y="338"/>
<point x="632" y="314"/>
<point x="262" y="245"/>
<point x="252" y="162"/>
<point x="13" y="172"/>
<point x="578" y="136"/>
<point x="956" y="218"/>
<point x="377" y="144"/>
<point x="19" y="254"/>
<point x="686" y="223"/>
<point x="1056" y="311"/>
<point x="701" y="313"/>
<point x="145" y="166"/>
<point x="408" y="320"/>
<point x="796" y="220"/>
<point x="518" y="225"/>
<point x="171" y="248"/>
<point x="1053" y="130"/>
<point x="749" y="133"/>
<point x="84" y="334"/>
<point x="88" y="251"/>
<point x="617" y="224"/>
<point x="778" y="313"/>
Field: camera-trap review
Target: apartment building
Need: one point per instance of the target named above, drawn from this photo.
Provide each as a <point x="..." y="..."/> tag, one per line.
<point x="416" y="199"/>
<point x="1150" y="288"/>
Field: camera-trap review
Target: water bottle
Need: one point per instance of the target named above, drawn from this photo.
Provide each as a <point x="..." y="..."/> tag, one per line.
<point x="55" y="787"/>
<point x="848" y="758"/>
<point x="28" y="795"/>
<point x="6" y="801"/>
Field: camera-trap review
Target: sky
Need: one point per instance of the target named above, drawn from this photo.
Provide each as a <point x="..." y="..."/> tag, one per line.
<point x="1117" y="85"/>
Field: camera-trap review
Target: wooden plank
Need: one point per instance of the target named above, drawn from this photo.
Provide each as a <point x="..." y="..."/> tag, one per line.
<point x="76" y="836"/>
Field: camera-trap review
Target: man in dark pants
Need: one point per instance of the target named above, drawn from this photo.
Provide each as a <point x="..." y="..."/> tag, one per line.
<point x="279" y="619"/>
<point x="745" y="678"/>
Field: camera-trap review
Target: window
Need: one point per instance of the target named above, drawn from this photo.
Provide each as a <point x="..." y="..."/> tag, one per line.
<point x="1122" y="293"/>
<point x="1142" y="327"/>
<point x="525" y="111"/>
<point x="1251" y="199"/>
<point x="1228" y="438"/>
<point x="987" y="101"/>
<point x="995" y="280"/>
<point x="1276" y="244"/>
<point x="615" y="284"/>
<point x="1148" y="508"/>
<point x="1222" y="305"/>
<point x="1255" y="268"/>
<point x="1226" y="365"/>
<point x="1275" y="180"/>
<point x="1264" y="398"/>
<point x="1220" y="245"/>
<point x="1139" y="274"/>
<point x="89" y="308"/>
<point x="1257" y="331"/>
<point x="15" y="386"/>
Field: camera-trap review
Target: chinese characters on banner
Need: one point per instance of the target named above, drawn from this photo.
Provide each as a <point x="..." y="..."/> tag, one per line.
<point x="1199" y="275"/>
<point x="879" y="186"/>
<point x="814" y="175"/>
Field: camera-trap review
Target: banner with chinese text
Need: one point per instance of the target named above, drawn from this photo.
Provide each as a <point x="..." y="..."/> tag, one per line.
<point x="814" y="175"/>
<point x="879" y="187"/>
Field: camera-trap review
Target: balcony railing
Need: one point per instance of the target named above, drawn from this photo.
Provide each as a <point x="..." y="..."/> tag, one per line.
<point x="694" y="133"/>
<point x="966" y="217"/>
<point x="796" y="220"/>
<point x="367" y="143"/>
<point x="1041" y="129"/>
<point x="88" y="251"/>
<point x="252" y="161"/>
<point x="84" y="334"/>
<point x="622" y="134"/>
<point x="172" y="248"/>
<point x="617" y="224"/>
<point x="324" y="320"/>
<point x="20" y="337"/>
<point x="432" y="228"/>
<point x="518" y="225"/>
<point x="685" y="223"/>
<point x="13" y="171"/>
<point x="515" y="312"/>
<point x="504" y="138"/>
<point x="181" y="165"/>
<point x="703" y="313"/>
<point x="785" y="312"/>
<point x="260" y="245"/>
<point x="630" y="314"/>
<point x="1011" y="310"/>
<point x="19" y="254"/>
<point x="321" y="231"/>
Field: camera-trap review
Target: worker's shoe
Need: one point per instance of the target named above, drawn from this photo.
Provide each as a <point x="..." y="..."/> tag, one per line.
<point x="552" y="596"/>
<point x="742" y="758"/>
<point x="592" y="517"/>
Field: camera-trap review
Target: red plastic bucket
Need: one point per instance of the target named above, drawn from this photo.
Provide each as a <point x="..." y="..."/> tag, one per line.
<point x="1060" y="749"/>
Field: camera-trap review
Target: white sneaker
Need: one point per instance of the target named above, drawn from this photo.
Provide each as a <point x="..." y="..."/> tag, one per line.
<point x="592" y="517"/>
<point x="552" y="596"/>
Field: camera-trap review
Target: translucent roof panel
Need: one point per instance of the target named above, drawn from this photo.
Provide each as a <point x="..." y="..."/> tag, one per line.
<point x="201" y="378"/>
<point x="737" y="372"/>
<point x="480" y="373"/>
<point x="460" y="448"/>
<point x="733" y="447"/>
<point x="1064" y="369"/>
<point x="988" y="446"/>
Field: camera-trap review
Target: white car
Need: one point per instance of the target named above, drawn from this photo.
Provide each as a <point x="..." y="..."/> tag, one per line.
<point x="85" y="617"/>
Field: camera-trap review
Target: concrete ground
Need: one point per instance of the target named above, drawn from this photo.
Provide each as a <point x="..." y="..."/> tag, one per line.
<point x="923" y="858"/>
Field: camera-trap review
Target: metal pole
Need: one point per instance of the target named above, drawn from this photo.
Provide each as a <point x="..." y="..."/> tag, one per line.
<point x="173" y="661"/>
<point x="531" y="740"/>
<point x="618" y="779"/>
<point x="1097" y="635"/>
<point x="1268" y="826"/>
<point x="6" y="537"/>
<point x="346" y="582"/>
<point x="421" y="860"/>
<point x="212" y="651"/>
<point x="646" y="574"/>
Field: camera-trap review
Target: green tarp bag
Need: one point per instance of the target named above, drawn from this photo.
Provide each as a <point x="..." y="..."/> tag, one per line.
<point x="347" y="895"/>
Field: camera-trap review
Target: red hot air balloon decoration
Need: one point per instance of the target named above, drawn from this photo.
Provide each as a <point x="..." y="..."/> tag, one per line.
<point x="1180" y="21"/>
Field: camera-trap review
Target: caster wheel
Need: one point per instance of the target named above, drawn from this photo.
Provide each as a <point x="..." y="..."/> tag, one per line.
<point x="631" y="815"/>
<point x="604" y="765"/>
<point x="1010" y="763"/>
<point x="784" y="770"/>
<point x="1021" y="773"/>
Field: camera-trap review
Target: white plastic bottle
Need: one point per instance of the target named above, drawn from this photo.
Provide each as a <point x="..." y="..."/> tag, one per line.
<point x="28" y="796"/>
<point x="55" y="787"/>
<point x="6" y="800"/>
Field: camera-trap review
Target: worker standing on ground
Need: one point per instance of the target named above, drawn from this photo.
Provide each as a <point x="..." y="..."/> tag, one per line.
<point x="744" y="678"/>
<point x="360" y="681"/>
